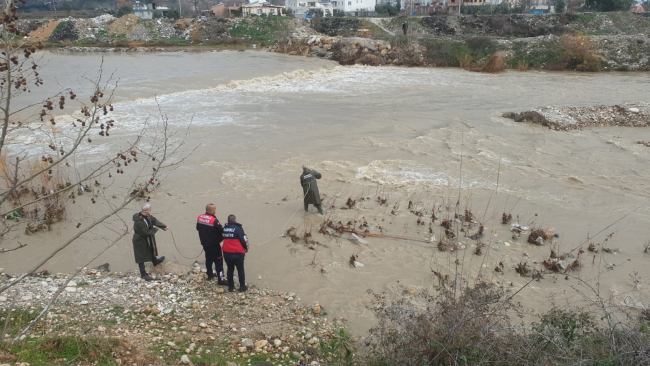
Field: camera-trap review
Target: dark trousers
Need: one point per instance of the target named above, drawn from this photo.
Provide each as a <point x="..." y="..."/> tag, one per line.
<point x="318" y="207"/>
<point x="235" y="260"/>
<point x="213" y="255"/>
<point x="155" y="261"/>
<point x="142" y="270"/>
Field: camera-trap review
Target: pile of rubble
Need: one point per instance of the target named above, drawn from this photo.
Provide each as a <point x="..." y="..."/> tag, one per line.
<point x="354" y="50"/>
<point x="106" y="28"/>
<point x="180" y="312"/>
<point x="575" y="118"/>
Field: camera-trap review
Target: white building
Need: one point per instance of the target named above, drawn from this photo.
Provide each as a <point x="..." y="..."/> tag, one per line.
<point x="146" y="9"/>
<point x="301" y="8"/>
<point x="353" y="6"/>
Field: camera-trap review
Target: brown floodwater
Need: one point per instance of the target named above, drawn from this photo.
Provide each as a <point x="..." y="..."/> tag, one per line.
<point x="399" y="133"/>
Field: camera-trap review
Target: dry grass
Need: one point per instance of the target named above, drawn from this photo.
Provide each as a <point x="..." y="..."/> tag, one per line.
<point x="496" y="63"/>
<point x="52" y="207"/>
<point x="196" y="38"/>
<point x="522" y="65"/>
<point x="292" y="46"/>
<point x="580" y="53"/>
<point x="479" y="325"/>
<point x="465" y="61"/>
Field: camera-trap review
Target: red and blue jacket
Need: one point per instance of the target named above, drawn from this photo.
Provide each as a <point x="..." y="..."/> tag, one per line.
<point x="234" y="238"/>
<point x="210" y="230"/>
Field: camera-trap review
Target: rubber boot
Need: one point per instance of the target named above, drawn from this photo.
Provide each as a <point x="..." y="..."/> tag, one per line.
<point x="157" y="261"/>
<point x="306" y="207"/>
<point x="143" y="273"/>
<point x="320" y="209"/>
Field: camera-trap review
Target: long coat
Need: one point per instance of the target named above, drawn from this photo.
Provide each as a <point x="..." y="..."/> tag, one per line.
<point x="310" y="186"/>
<point x="144" y="240"/>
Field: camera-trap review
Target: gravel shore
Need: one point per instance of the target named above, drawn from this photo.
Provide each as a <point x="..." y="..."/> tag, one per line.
<point x="180" y="317"/>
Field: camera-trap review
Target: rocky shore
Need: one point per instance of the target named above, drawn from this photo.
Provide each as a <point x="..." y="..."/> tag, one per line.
<point x="575" y="118"/>
<point x="178" y="318"/>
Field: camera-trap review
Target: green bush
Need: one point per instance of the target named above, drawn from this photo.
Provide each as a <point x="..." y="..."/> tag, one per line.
<point x="387" y="10"/>
<point x="173" y="14"/>
<point x="491" y="9"/>
<point x="608" y="5"/>
<point x="123" y="11"/>
<point x="481" y="46"/>
<point x="399" y="40"/>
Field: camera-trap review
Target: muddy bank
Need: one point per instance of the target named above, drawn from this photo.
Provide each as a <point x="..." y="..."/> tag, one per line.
<point x="180" y="316"/>
<point x="576" y="118"/>
<point x="581" y="53"/>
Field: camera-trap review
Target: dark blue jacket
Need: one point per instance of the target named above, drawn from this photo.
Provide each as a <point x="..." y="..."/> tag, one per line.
<point x="210" y="230"/>
<point x="234" y="238"/>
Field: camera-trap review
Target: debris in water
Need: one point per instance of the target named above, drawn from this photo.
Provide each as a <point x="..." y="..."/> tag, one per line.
<point x="535" y="235"/>
<point x="499" y="267"/>
<point x="479" y="248"/>
<point x="523" y="269"/>
<point x="549" y="233"/>
<point x="356" y="238"/>
<point x="479" y="234"/>
<point x="350" y="203"/>
<point x="505" y="219"/>
<point x="353" y="260"/>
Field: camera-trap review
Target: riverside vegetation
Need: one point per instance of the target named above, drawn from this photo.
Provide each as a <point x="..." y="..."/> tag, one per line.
<point x="580" y="41"/>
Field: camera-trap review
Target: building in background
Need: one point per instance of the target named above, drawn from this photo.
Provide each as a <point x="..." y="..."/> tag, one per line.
<point x="261" y="9"/>
<point x="146" y="10"/>
<point x="301" y="8"/>
<point x="224" y="11"/>
<point x="453" y="5"/>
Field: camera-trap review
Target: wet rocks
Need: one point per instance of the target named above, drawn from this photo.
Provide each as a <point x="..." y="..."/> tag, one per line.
<point x="576" y="118"/>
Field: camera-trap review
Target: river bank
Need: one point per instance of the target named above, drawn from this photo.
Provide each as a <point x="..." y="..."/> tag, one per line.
<point x="582" y="42"/>
<point x="179" y="318"/>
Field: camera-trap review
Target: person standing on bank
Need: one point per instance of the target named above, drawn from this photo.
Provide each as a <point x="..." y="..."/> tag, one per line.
<point x="235" y="247"/>
<point x="405" y="28"/>
<point x="310" y="188"/>
<point x="211" y="235"/>
<point x="145" y="227"/>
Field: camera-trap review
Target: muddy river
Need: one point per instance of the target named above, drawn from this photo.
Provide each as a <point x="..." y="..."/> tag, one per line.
<point x="430" y="136"/>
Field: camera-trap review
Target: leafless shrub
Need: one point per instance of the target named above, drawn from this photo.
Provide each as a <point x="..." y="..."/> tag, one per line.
<point x="476" y="326"/>
<point x="440" y="330"/>
<point x="496" y="63"/>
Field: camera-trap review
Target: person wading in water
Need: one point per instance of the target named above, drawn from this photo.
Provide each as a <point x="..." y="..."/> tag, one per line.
<point x="310" y="188"/>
